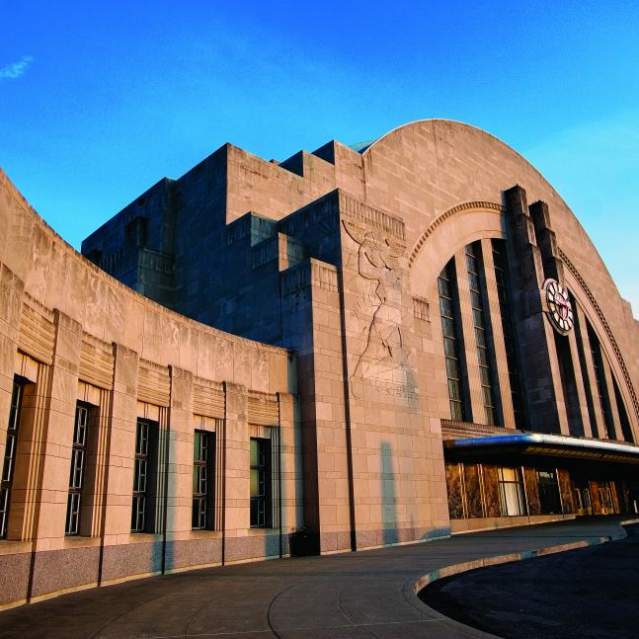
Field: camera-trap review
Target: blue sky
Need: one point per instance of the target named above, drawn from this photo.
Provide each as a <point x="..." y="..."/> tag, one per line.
<point x="98" y="100"/>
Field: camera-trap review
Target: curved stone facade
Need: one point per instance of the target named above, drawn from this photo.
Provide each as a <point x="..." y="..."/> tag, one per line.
<point x="372" y="309"/>
<point x="71" y="333"/>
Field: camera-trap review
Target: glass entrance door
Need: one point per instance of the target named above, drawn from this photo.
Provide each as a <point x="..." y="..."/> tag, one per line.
<point x="549" y="498"/>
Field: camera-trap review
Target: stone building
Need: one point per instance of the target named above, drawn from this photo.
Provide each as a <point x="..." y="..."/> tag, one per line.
<point x="350" y="348"/>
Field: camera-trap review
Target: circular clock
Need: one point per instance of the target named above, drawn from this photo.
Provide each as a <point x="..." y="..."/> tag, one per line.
<point x="559" y="307"/>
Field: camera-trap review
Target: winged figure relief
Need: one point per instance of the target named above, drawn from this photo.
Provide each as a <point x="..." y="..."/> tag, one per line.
<point x="378" y="262"/>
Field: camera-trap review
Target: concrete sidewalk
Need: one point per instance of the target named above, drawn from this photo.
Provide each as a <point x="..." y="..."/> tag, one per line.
<point x="369" y="594"/>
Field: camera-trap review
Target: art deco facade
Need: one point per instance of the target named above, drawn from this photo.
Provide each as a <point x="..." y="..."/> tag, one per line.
<point x="350" y="348"/>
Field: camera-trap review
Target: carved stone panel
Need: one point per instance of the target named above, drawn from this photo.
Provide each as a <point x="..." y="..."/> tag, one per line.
<point x="473" y="490"/>
<point x="491" y="491"/>
<point x="453" y="484"/>
<point x="378" y="311"/>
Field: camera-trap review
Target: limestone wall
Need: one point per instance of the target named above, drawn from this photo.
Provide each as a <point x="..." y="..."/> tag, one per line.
<point x="71" y="332"/>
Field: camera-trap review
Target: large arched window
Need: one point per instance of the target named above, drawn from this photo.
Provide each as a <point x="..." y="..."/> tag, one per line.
<point x="483" y="328"/>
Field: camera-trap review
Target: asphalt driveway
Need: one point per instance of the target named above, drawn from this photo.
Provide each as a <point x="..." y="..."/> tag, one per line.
<point x="592" y="593"/>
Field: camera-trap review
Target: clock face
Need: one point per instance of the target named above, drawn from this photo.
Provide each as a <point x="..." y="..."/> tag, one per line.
<point x="559" y="307"/>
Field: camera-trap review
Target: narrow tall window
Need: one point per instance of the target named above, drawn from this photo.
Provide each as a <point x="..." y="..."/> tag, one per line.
<point x="584" y="369"/>
<point x="511" y="494"/>
<point x="10" y="457"/>
<point x="260" y="483"/>
<point x="78" y="465"/>
<point x="602" y="387"/>
<point x="203" y="477"/>
<point x="505" y="307"/>
<point x="626" y="429"/>
<point x="483" y="336"/>
<point x="453" y="343"/>
<point x="142" y="511"/>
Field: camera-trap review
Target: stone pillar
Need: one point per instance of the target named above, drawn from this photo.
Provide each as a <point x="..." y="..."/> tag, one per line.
<point x="97" y="463"/>
<point x="580" y="383"/>
<point x="57" y="436"/>
<point x="31" y="440"/>
<point x="41" y="477"/>
<point x="180" y="464"/>
<point x="297" y="331"/>
<point x="312" y="325"/>
<point x="220" y="473"/>
<point x="236" y="472"/>
<point x="493" y="316"/>
<point x="291" y="471"/>
<point x="334" y="419"/>
<point x="552" y="266"/>
<point x="540" y="372"/>
<point x="11" y="289"/>
<point x="123" y="419"/>
<point x="470" y="343"/>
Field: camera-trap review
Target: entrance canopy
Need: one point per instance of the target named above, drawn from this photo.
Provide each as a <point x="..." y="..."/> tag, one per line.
<point x="542" y="445"/>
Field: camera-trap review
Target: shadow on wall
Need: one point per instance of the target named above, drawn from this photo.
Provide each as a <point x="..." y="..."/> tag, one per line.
<point x="388" y="496"/>
<point x="390" y="523"/>
<point x="167" y="523"/>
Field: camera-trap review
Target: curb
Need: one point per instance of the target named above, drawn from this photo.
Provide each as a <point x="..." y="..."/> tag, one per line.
<point x="466" y="566"/>
<point x="485" y="562"/>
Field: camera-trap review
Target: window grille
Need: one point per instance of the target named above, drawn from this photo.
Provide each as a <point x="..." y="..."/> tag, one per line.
<point x="142" y="519"/>
<point x="260" y="483"/>
<point x="453" y="343"/>
<point x="78" y="465"/>
<point x="10" y="457"/>
<point x="203" y="479"/>
<point x="483" y="334"/>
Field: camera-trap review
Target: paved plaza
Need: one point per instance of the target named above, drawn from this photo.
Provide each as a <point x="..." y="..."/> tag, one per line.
<point x="369" y="594"/>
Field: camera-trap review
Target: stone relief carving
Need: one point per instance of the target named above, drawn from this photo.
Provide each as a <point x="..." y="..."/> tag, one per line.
<point x="383" y="358"/>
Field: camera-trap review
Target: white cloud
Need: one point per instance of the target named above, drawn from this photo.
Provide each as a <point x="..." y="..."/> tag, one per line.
<point x="15" y="70"/>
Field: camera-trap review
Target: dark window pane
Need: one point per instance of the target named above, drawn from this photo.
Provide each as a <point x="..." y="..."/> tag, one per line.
<point x="8" y="465"/>
<point x="450" y="348"/>
<point x="453" y="390"/>
<point x="452" y="369"/>
<point x="448" y="327"/>
<point x="260" y="494"/>
<point x="456" y="411"/>
<point x="144" y="477"/>
<point x="203" y="478"/>
<point x="76" y="473"/>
